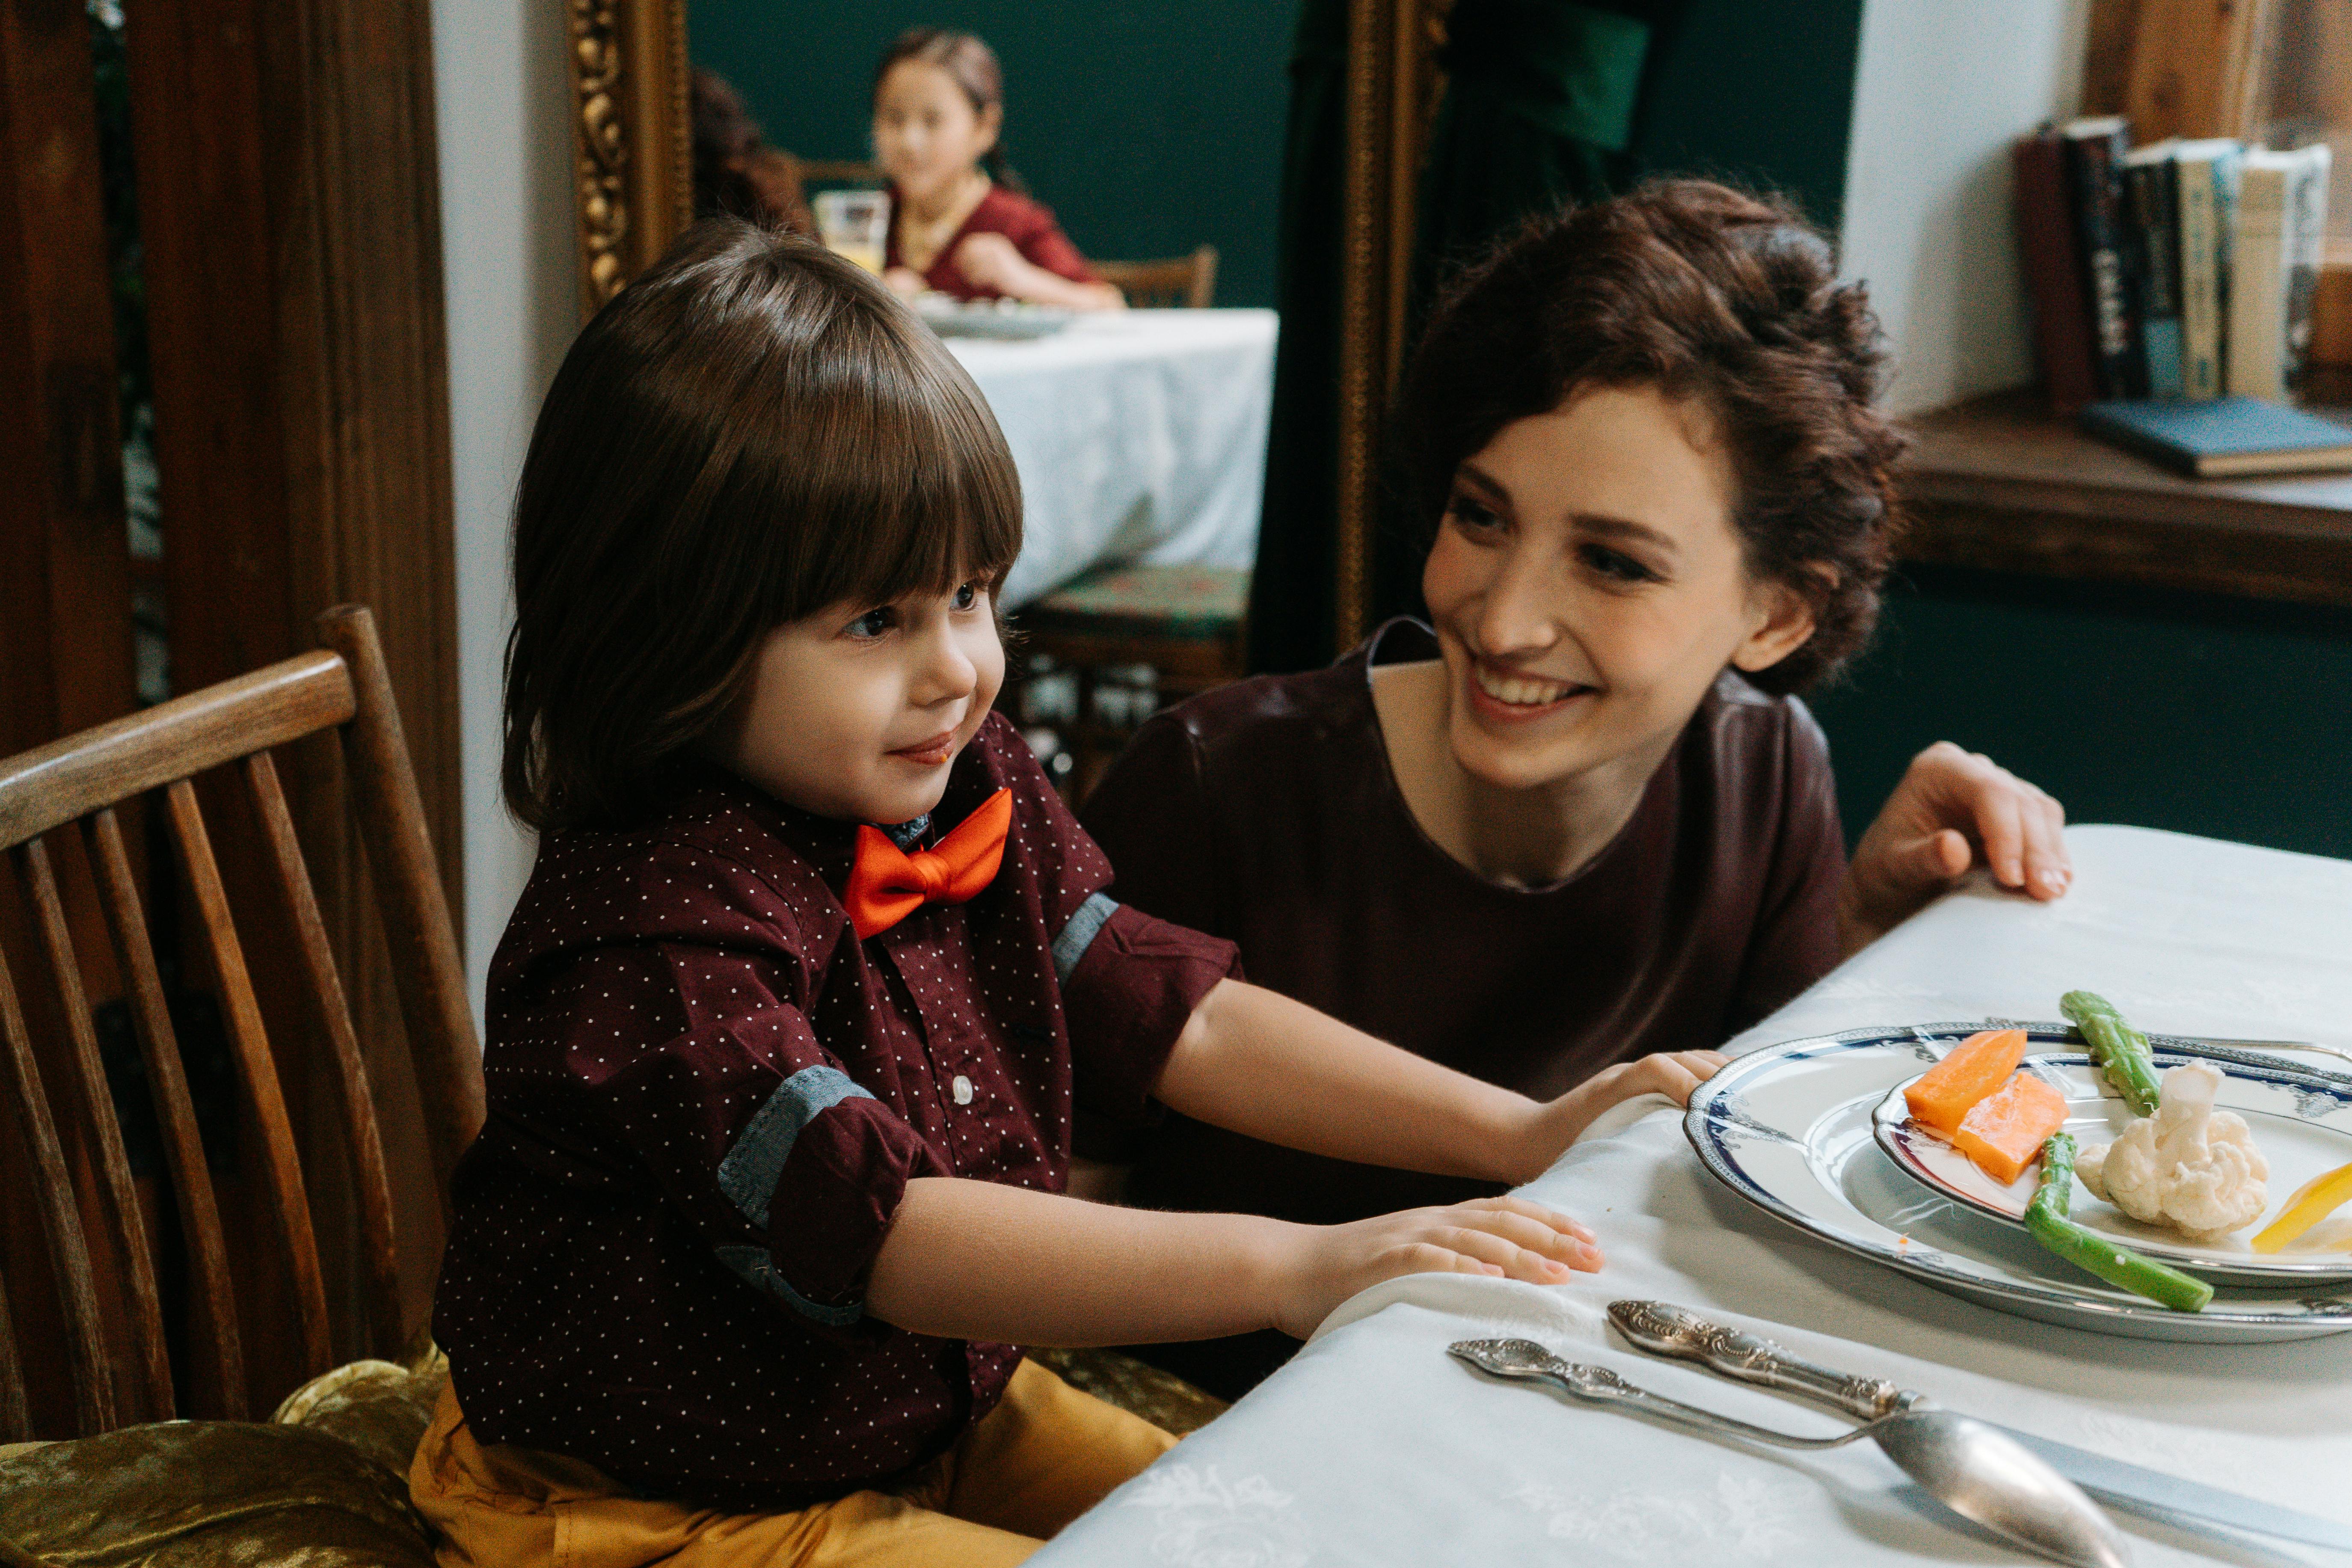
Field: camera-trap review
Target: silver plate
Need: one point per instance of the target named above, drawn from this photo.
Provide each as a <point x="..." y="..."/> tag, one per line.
<point x="2301" y="1136"/>
<point x="1006" y="319"/>
<point x="1789" y="1128"/>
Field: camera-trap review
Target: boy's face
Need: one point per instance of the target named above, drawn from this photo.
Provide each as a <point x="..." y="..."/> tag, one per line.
<point x="855" y="713"/>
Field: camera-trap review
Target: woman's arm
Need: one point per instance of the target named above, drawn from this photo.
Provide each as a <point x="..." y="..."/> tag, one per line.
<point x="1257" y="1063"/>
<point x="971" y="1260"/>
<point x="1954" y="810"/>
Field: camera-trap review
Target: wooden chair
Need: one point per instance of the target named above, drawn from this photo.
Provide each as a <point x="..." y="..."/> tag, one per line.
<point x="1182" y="281"/>
<point x="1185" y="622"/>
<point x="81" y="781"/>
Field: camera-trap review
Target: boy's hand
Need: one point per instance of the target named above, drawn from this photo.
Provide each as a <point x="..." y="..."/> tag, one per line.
<point x="1673" y="1074"/>
<point x="1507" y="1237"/>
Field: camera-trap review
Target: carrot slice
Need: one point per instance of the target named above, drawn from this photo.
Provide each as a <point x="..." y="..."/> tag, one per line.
<point x="2004" y="1131"/>
<point x="1969" y="1071"/>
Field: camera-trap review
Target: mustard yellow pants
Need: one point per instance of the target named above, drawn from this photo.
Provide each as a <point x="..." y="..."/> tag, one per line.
<point x="1043" y="1457"/>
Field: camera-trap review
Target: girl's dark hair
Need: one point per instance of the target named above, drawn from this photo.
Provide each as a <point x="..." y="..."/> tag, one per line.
<point x="754" y="430"/>
<point x="1706" y="293"/>
<point x="972" y="65"/>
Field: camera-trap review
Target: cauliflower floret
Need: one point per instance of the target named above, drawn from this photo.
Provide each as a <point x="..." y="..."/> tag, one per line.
<point x="2188" y="1167"/>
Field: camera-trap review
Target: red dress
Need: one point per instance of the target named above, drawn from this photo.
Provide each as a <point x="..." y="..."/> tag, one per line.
<point x="1029" y="226"/>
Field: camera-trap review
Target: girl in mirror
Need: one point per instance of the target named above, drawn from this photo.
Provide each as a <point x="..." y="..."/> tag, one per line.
<point x="1582" y="814"/>
<point x="938" y="111"/>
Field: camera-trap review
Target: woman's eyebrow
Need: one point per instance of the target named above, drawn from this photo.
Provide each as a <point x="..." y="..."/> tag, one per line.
<point x="1475" y="477"/>
<point x="1624" y="528"/>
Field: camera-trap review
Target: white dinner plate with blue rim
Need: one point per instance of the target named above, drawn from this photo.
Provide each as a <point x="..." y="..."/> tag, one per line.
<point x="2302" y="1133"/>
<point x="1792" y="1129"/>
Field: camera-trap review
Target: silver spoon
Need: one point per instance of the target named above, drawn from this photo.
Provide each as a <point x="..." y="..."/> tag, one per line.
<point x="1966" y="1466"/>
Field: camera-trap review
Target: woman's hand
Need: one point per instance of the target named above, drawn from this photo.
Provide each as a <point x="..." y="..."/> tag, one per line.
<point x="1555" y="1126"/>
<point x="1509" y="1238"/>
<point x="1953" y="810"/>
<point x="904" y="281"/>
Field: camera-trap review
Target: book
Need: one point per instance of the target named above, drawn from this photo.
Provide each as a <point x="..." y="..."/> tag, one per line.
<point x="2206" y="173"/>
<point x="2095" y="151"/>
<point x="2047" y="254"/>
<point x="2274" y="267"/>
<point x="2302" y="240"/>
<point x="2152" y="256"/>
<point x="2221" y="437"/>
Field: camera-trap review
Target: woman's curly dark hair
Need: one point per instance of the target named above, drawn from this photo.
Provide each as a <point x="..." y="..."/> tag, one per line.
<point x="1706" y="293"/>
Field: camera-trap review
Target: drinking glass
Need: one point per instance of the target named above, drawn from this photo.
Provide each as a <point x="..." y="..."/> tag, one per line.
<point x="855" y="224"/>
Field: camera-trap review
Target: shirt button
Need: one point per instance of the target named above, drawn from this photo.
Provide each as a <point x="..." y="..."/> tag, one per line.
<point x="961" y="1088"/>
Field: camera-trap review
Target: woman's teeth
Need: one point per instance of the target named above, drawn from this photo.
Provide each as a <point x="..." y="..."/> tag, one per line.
<point x="1520" y="691"/>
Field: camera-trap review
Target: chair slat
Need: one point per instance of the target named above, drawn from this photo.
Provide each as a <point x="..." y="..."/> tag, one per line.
<point x="192" y="1180"/>
<point x="55" y="784"/>
<point x="15" y="1414"/>
<point x="362" y="1137"/>
<point x="281" y="1166"/>
<point x="418" y="925"/>
<point x="118" y="1194"/>
<point x="60" y="1225"/>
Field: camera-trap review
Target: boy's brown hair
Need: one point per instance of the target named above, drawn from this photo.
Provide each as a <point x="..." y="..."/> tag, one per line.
<point x="751" y="432"/>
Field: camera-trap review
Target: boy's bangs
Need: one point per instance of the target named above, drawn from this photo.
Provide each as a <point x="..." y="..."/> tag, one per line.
<point x="905" y="486"/>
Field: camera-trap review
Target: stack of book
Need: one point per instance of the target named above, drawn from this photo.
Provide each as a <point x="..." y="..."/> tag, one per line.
<point x="2183" y="269"/>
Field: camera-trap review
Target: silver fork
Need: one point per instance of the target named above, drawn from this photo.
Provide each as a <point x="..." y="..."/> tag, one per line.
<point x="1978" y="1473"/>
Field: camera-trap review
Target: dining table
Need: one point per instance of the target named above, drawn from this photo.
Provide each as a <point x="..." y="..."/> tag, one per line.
<point x="1138" y="436"/>
<point x="1374" y="1446"/>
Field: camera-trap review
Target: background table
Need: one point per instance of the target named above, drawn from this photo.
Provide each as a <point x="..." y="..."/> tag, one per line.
<point x="1140" y="436"/>
<point x="1375" y="1446"/>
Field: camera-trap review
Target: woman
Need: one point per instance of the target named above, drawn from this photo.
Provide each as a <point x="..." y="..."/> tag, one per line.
<point x="939" y="109"/>
<point x="1581" y="816"/>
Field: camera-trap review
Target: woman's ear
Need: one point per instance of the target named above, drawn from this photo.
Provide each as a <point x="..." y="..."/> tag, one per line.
<point x="1787" y="622"/>
<point x="991" y="121"/>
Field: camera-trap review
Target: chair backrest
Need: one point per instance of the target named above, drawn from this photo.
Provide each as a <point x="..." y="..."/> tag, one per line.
<point x="1182" y="281"/>
<point x="80" y="780"/>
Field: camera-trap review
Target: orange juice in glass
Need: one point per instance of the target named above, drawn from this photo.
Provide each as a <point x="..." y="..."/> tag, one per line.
<point x="855" y="223"/>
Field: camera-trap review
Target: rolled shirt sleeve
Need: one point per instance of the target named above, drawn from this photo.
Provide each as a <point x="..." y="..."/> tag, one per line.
<point x="788" y="1168"/>
<point x="1128" y="997"/>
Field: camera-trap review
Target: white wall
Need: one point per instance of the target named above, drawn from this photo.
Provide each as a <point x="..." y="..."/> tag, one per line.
<point x="503" y="99"/>
<point x="1940" y="89"/>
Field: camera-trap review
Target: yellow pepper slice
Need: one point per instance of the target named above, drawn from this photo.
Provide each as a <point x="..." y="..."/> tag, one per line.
<point x="2313" y="1202"/>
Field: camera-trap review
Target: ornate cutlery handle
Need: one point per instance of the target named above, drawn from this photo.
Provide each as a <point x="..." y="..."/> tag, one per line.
<point x="1663" y="1328"/>
<point x="1599" y="1385"/>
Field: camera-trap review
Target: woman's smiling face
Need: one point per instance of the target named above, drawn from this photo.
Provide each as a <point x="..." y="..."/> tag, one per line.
<point x="1588" y="587"/>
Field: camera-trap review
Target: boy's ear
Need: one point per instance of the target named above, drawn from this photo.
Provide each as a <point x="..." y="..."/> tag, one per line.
<point x="1786" y="623"/>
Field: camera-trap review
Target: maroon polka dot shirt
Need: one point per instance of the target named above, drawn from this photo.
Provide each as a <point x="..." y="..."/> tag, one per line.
<point x="706" y="1096"/>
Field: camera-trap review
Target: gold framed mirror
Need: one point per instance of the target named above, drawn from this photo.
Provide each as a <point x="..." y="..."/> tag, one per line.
<point x="632" y="148"/>
<point x="632" y="140"/>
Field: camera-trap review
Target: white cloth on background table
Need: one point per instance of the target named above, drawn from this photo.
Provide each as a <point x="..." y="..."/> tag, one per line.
<point x="1373" y="1446"/>
<point x="1140" y="436"/>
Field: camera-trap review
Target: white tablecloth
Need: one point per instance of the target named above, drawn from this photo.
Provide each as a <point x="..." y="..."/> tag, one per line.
<point x="1375" y="1446"/>
<point x="1140" y="436"/>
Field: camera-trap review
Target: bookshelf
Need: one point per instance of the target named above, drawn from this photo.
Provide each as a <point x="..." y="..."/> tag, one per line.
<point x="1996" y="482"/>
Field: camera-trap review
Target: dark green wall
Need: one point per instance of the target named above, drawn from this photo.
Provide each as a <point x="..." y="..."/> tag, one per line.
<point x="2161" y="710"/>
<point x="1148" y="127"/>
<point x="1762" y="94"/>
<point x="1153" y="126"/>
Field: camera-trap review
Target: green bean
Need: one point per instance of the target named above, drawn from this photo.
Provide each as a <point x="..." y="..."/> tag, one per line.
<point x="2046" y="1219"/>
<point x="2121" y="1051"/>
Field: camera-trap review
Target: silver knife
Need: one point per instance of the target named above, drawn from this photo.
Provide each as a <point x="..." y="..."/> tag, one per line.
<point x="1662" y="1329"/>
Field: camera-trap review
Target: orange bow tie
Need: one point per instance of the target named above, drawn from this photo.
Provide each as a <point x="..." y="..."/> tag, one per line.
<point x="887" y="884"/>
